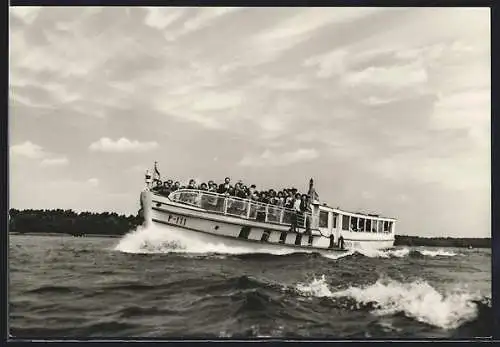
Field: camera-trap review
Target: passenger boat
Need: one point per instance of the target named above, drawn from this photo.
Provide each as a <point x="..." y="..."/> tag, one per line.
<point x="220" y="219"/>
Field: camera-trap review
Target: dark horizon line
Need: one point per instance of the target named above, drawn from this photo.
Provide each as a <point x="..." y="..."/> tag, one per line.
<point x="131" y="214"/>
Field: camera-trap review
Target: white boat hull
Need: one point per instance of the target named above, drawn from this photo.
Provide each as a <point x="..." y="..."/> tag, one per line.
<point x="231" y="231"/>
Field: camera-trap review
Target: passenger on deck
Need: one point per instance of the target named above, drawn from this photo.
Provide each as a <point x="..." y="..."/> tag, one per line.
<point x="263" y="198"/>
<point x="167" y="187"/>
<point x="251" y="190"/>
<point x="296" y="202"/>
<point x="212" y="186"/>
<point x="203" y="186"/>
<point x="192" y="184"/>
<point x="304" y="203"/>
<point x="273" y="200"/>
<point x="241" y="191"/>
<point x="289" y="201"/>
<point x="237" y="188"/>
<point x="224" y="187"/>
<point x="305" y="208"/>
<point x="296" y="215"/>
<point x="281" y="199"/>
<point x="177" y="185"/>
<point x="255" y="196"/>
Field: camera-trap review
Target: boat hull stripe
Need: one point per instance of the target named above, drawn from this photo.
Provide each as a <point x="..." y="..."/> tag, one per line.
<point x="305" y="248"/>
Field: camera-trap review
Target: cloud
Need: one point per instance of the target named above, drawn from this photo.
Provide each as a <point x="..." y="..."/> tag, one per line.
<point x="161" y="18"/>
<point x="33" y="151"/>
<point x="328" y="64"/>
<point x="28" y="150"/>
<point x="62" y="161"/>
<point x="391" y="77"/>
<point x="122" y="145"/>
<point x="216" y="101"/>
<point x="269" y="158"/>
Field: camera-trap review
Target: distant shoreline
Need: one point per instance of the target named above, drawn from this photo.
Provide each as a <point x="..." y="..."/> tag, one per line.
<point x="89" y="224"/>
<point x="63" y="234"/>
<point x="416" y="241"/>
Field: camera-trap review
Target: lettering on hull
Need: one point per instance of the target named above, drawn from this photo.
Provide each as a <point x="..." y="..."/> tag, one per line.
<point x="176" y="220"/>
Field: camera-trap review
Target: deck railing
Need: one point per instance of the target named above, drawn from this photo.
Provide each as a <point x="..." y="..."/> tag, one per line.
<point x="239" y="207"/>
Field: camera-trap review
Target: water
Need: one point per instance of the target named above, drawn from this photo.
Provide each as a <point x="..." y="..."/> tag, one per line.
<point x="153" y="284"/>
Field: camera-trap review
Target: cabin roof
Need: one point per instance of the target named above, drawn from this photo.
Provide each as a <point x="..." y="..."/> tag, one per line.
<point x="355" y="214"/>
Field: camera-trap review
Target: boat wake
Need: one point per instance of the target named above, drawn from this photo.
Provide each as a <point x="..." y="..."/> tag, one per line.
<point x="152" y="239"/>
<point x="417" y="300"/>
<point x="404" y="252"/>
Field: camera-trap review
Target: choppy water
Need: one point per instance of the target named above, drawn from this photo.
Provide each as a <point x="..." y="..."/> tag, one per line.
<point x="148" y="285"/>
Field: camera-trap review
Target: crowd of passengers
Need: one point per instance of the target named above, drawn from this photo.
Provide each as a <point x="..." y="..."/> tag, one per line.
<point x="287" y="197"/>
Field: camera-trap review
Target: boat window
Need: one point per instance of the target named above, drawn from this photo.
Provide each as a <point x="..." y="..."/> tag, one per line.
<point x="236" y="207"/>
<point x="253" y="210"/>
<point x="354" y="223"/>
<point x="390" y="227"/>
<point x="335" y="216"/>
<point x="211" y="202"/>
<point x="380" y="226"/>
<point x="287" y="217"/>
<point x="368" y="225"/>
<point x="361" y="224"/>
<point x="386" y="226"/>
<point x="345" y="222"/>
<point x="323" y="219"/>
<point x="273" y="214"/>
<point x="374" y="226"/>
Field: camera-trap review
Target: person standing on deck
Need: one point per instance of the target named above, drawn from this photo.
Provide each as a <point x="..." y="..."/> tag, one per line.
<point x="224" y="187"/>
<point x="313" y="205"/>
<point x="296" y="210"/>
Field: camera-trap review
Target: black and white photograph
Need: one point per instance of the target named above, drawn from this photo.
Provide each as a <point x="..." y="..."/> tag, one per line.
<point x="249" y="173"/>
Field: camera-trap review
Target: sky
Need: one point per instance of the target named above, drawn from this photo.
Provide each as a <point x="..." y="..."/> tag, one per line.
<point x="388" y="109"/>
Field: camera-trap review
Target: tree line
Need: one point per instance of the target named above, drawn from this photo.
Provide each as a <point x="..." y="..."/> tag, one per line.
<point x="403" y="240"/>
<point x="106" y="223"/>
<point x="71" y="222"/>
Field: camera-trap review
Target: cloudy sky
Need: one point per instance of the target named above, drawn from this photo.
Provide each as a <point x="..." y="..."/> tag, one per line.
<point x="388" y="109"/>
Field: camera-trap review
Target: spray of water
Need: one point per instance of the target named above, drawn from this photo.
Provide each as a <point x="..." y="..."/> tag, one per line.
<point x="168" y="239"/>
<point x="153" y="239"/>
<point x="418" y="300"/>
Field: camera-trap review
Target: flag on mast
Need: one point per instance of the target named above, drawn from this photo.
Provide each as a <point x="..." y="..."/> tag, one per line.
<point x="156" y="175"/>
<point x="313" y="195"/>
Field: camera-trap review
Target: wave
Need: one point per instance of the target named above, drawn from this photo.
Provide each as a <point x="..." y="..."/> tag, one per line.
<point x="154" y="240"/>
<point x="417" y="300"/>
<point x="151" y="239"/>
<point x="436" y="253"/>
<point x="404" y="252"/>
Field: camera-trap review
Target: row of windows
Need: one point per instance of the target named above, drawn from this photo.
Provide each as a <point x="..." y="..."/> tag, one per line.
<point x="356" y="224"/>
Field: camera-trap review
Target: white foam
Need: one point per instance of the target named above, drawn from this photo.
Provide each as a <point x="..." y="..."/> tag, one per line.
<point x="337" y="255"/>
<point x="318" y="288"/>
<point x="153" y="239"/>
<point x="439" y="252"/>
<point x="418" y="300"/>
<point x="388" y="253"/>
